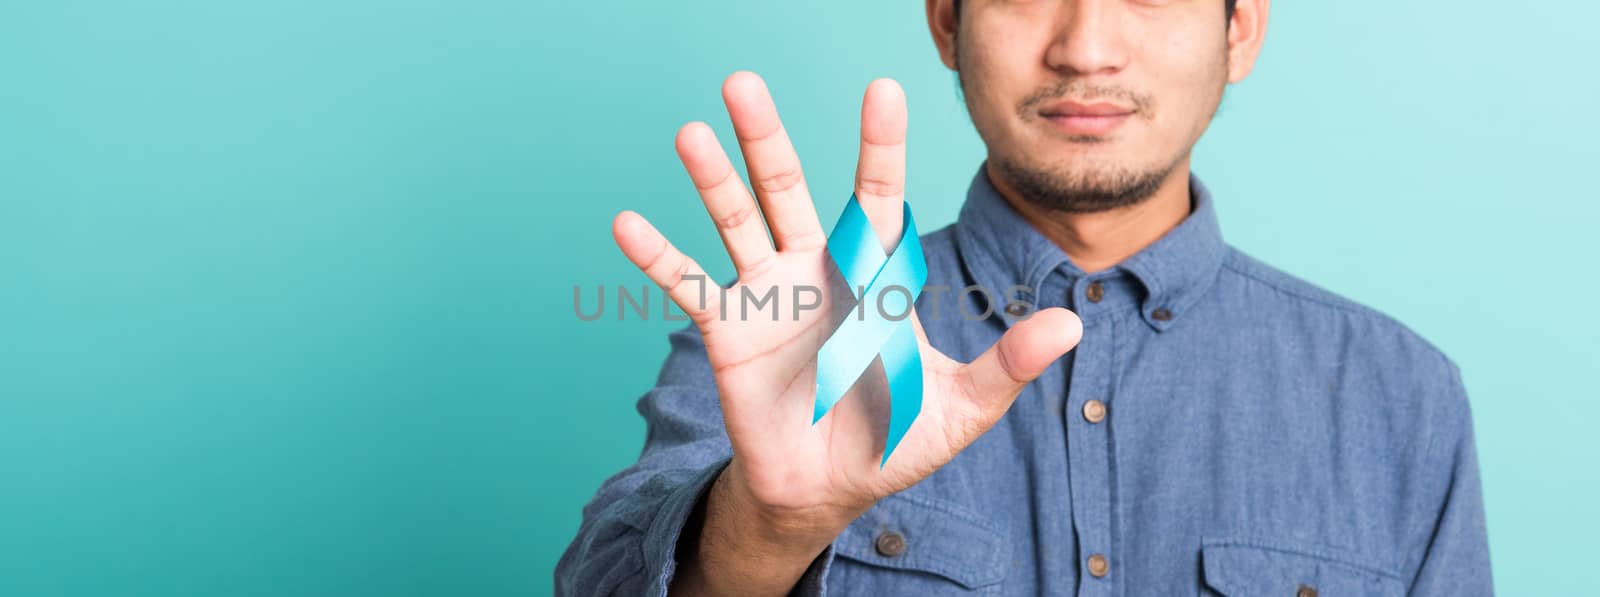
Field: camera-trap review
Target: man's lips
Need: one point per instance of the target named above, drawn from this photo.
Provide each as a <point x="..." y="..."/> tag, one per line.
<point x="1076" y="118"/>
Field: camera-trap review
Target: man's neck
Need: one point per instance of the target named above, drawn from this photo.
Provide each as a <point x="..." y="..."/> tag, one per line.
<point x="1100" y="240"/>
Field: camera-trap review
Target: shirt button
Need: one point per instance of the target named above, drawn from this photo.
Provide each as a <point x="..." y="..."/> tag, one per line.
<point x="1306" y="591"/>
<point x="1094" y="411"/>
<point x="890" y="544"/>
<point x="1161" y="314"/>
<point x="1098" y="565"/>
<point x="1016" y="309"/>
<point x="1095" y="291"/>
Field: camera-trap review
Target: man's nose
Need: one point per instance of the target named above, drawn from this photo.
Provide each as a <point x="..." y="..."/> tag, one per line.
<point x="1089" y="38"/>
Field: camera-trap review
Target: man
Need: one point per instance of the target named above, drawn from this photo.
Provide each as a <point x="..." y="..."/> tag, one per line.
<point x="1219" y="428"/>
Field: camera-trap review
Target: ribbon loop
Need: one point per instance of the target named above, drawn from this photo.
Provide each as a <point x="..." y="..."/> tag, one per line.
<point x="878" y="330"/>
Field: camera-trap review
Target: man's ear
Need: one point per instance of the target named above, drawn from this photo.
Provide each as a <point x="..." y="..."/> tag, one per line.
<point x="1245" y="33"/>
<point x="942" y="23"/>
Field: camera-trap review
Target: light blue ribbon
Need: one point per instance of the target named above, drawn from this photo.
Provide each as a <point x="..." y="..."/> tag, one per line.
<point x="881" y="327"/>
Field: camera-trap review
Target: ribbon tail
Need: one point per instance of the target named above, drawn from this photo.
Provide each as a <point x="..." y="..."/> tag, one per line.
<point x="841" y="361"/>
<point x="902" y="362"/>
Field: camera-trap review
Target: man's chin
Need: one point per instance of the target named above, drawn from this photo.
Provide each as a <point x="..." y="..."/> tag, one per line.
<point x="1074" y="186"/>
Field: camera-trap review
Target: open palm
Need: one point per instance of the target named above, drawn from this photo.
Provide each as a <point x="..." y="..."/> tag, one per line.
<point x="764" y="360"/>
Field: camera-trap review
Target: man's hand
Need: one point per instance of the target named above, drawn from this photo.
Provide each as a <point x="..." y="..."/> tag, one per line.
<point x="792" y="486"/>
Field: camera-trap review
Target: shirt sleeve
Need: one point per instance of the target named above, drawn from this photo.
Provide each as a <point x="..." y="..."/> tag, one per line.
<point x="627" y="542"/>
<point x="1457" y="558"/>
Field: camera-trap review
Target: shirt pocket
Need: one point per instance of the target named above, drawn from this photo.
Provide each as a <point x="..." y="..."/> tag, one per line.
<point x="915" y="546"/>
<point x="1247" y="568"/>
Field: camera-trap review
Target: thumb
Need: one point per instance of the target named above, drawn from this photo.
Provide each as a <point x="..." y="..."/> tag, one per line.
<point x="1027" y="349"/>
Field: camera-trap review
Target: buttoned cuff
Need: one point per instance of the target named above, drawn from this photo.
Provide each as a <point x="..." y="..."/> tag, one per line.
<point x="813" y="582"/>
<point x="661" y="539"/>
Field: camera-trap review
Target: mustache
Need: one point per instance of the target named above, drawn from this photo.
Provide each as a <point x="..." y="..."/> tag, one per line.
<point x="1082" y="91"/>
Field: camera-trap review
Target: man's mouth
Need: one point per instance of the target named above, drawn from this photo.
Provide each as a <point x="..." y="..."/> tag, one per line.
<point x="1094" y="119"/>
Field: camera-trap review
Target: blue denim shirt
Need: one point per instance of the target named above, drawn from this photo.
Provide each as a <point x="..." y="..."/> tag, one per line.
<point x="1259" y="436"/>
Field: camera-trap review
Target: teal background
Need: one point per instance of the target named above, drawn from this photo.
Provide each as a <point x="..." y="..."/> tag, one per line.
<point x="286" y="287"/>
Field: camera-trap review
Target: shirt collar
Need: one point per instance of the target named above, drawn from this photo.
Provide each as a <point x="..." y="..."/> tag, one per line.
<point x="1002" y="251"/>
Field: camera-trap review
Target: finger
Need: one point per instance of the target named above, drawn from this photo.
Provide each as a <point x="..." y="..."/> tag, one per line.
<point x="726" y="199"/>
<point x="674" y="272"/>
<point x="881" y="168"/>
<point x="773" y="165"/>
<point x="1028" y="348"/>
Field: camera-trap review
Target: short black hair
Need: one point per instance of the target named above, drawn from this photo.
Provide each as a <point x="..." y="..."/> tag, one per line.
<point x="1228" y="4"/>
